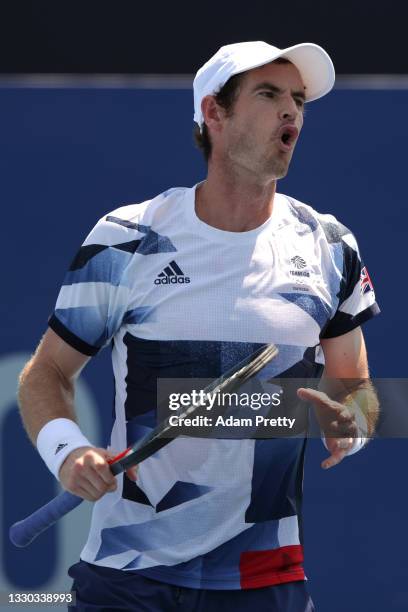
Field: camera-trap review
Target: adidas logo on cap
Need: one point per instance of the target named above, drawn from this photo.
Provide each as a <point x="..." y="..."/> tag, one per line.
<point x="171" y="275"/>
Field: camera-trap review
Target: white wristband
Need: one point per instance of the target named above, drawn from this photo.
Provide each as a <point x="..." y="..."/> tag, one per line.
<point x="358" y="443"/>
<point x="56" y="440"/>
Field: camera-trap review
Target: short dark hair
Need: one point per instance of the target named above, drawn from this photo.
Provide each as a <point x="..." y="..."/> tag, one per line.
<point x="225" y="98"/>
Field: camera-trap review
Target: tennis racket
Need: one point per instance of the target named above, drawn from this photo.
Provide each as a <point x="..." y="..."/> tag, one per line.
<point x="25" y="531"/>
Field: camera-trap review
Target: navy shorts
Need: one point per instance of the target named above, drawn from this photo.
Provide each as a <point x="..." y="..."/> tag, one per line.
<point x="105" y="589"/>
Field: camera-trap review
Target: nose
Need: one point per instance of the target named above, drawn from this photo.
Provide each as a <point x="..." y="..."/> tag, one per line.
<point x="288" y="109"/>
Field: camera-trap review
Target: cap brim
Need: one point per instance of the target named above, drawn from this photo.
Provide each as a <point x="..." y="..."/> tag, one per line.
<point x="315" y="67"/>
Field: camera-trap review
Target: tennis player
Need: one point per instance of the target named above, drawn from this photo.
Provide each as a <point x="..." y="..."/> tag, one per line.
<point x="186" y="285"/>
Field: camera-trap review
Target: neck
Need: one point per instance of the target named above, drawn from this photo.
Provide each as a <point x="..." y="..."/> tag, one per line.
<point x="234" y="203"/>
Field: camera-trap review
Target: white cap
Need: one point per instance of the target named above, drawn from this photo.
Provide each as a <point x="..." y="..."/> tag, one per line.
<point x="313" y="63"/>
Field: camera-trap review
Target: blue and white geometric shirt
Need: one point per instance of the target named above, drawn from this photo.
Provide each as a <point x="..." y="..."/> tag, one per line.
<point x="178" y="298"/>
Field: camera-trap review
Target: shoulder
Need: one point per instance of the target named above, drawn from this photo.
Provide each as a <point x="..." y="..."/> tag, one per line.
<point x="334" y="231"/>
<point x="129" y="221"/>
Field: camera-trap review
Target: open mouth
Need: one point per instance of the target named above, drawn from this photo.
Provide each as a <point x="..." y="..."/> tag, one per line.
<point x="288" y="135"/>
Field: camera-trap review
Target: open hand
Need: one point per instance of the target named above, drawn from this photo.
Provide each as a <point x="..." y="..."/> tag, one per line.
<point x="337" y="423"/>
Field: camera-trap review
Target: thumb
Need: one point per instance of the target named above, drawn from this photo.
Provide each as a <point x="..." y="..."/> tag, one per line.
<point x="107" y="453"/>
<point x="131" y="473"/>
<point x="311" y="395"/>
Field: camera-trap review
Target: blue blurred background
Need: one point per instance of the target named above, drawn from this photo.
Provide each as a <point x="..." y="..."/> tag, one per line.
<point x="70" y="155"/>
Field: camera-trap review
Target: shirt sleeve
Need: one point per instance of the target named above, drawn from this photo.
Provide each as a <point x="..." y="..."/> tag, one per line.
<point x="94" y="296"/>
<point x="357" y="302"/>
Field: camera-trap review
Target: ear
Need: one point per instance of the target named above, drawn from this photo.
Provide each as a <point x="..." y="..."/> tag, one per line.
<point x="213" y="113"/>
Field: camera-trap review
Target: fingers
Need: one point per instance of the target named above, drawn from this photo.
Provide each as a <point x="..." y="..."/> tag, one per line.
<point x="337" y="423"/>
<point x="335" y="419"/>
<point x="131" y="473"/>
<point x="83" y="493"/>
<point x="333" y="460"/>
<point x="335" y="445"/>
<point x="338" y="449"/>
<point x="311" y="395"/>
<point x="324" y="405"/>
<point x="86" y="473"/>
<point x="97" y="474"/>
<point x="342" y="429"/>
<point x="86" y="491"/>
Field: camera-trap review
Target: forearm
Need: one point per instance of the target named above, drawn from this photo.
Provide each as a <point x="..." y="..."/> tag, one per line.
<point x="44" y="394"/>
<point x="46" y="399"/>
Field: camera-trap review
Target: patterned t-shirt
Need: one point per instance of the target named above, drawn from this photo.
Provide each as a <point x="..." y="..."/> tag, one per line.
<point x="178" y="298"/>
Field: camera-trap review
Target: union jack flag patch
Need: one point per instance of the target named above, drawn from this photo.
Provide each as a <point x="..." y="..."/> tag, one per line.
<point x="365" y="281"/>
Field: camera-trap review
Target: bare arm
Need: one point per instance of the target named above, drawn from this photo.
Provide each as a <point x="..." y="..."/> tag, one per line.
<point x="346" y="362"/>
<point x="346" y="389"/>
<point x="47" y="383"/>
<point x="46" y="392"/>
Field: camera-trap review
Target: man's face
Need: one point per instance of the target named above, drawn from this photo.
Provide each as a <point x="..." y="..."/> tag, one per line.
<point x="260" y="135"/>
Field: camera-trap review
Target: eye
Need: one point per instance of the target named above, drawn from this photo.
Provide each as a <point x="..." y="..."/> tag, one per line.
<point x="268" y="94"/>
<point x="299" y="102"/>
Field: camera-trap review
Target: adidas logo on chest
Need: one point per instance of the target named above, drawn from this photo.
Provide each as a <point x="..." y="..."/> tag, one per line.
<point x="171" y="275"/>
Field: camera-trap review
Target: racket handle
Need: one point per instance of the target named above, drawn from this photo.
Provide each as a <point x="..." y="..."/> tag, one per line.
<point x="24" y="532"/>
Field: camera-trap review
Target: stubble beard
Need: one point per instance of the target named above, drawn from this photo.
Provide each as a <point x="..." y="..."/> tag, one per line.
<point x="278" y="167"/>
<point x="272" y="166"/>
